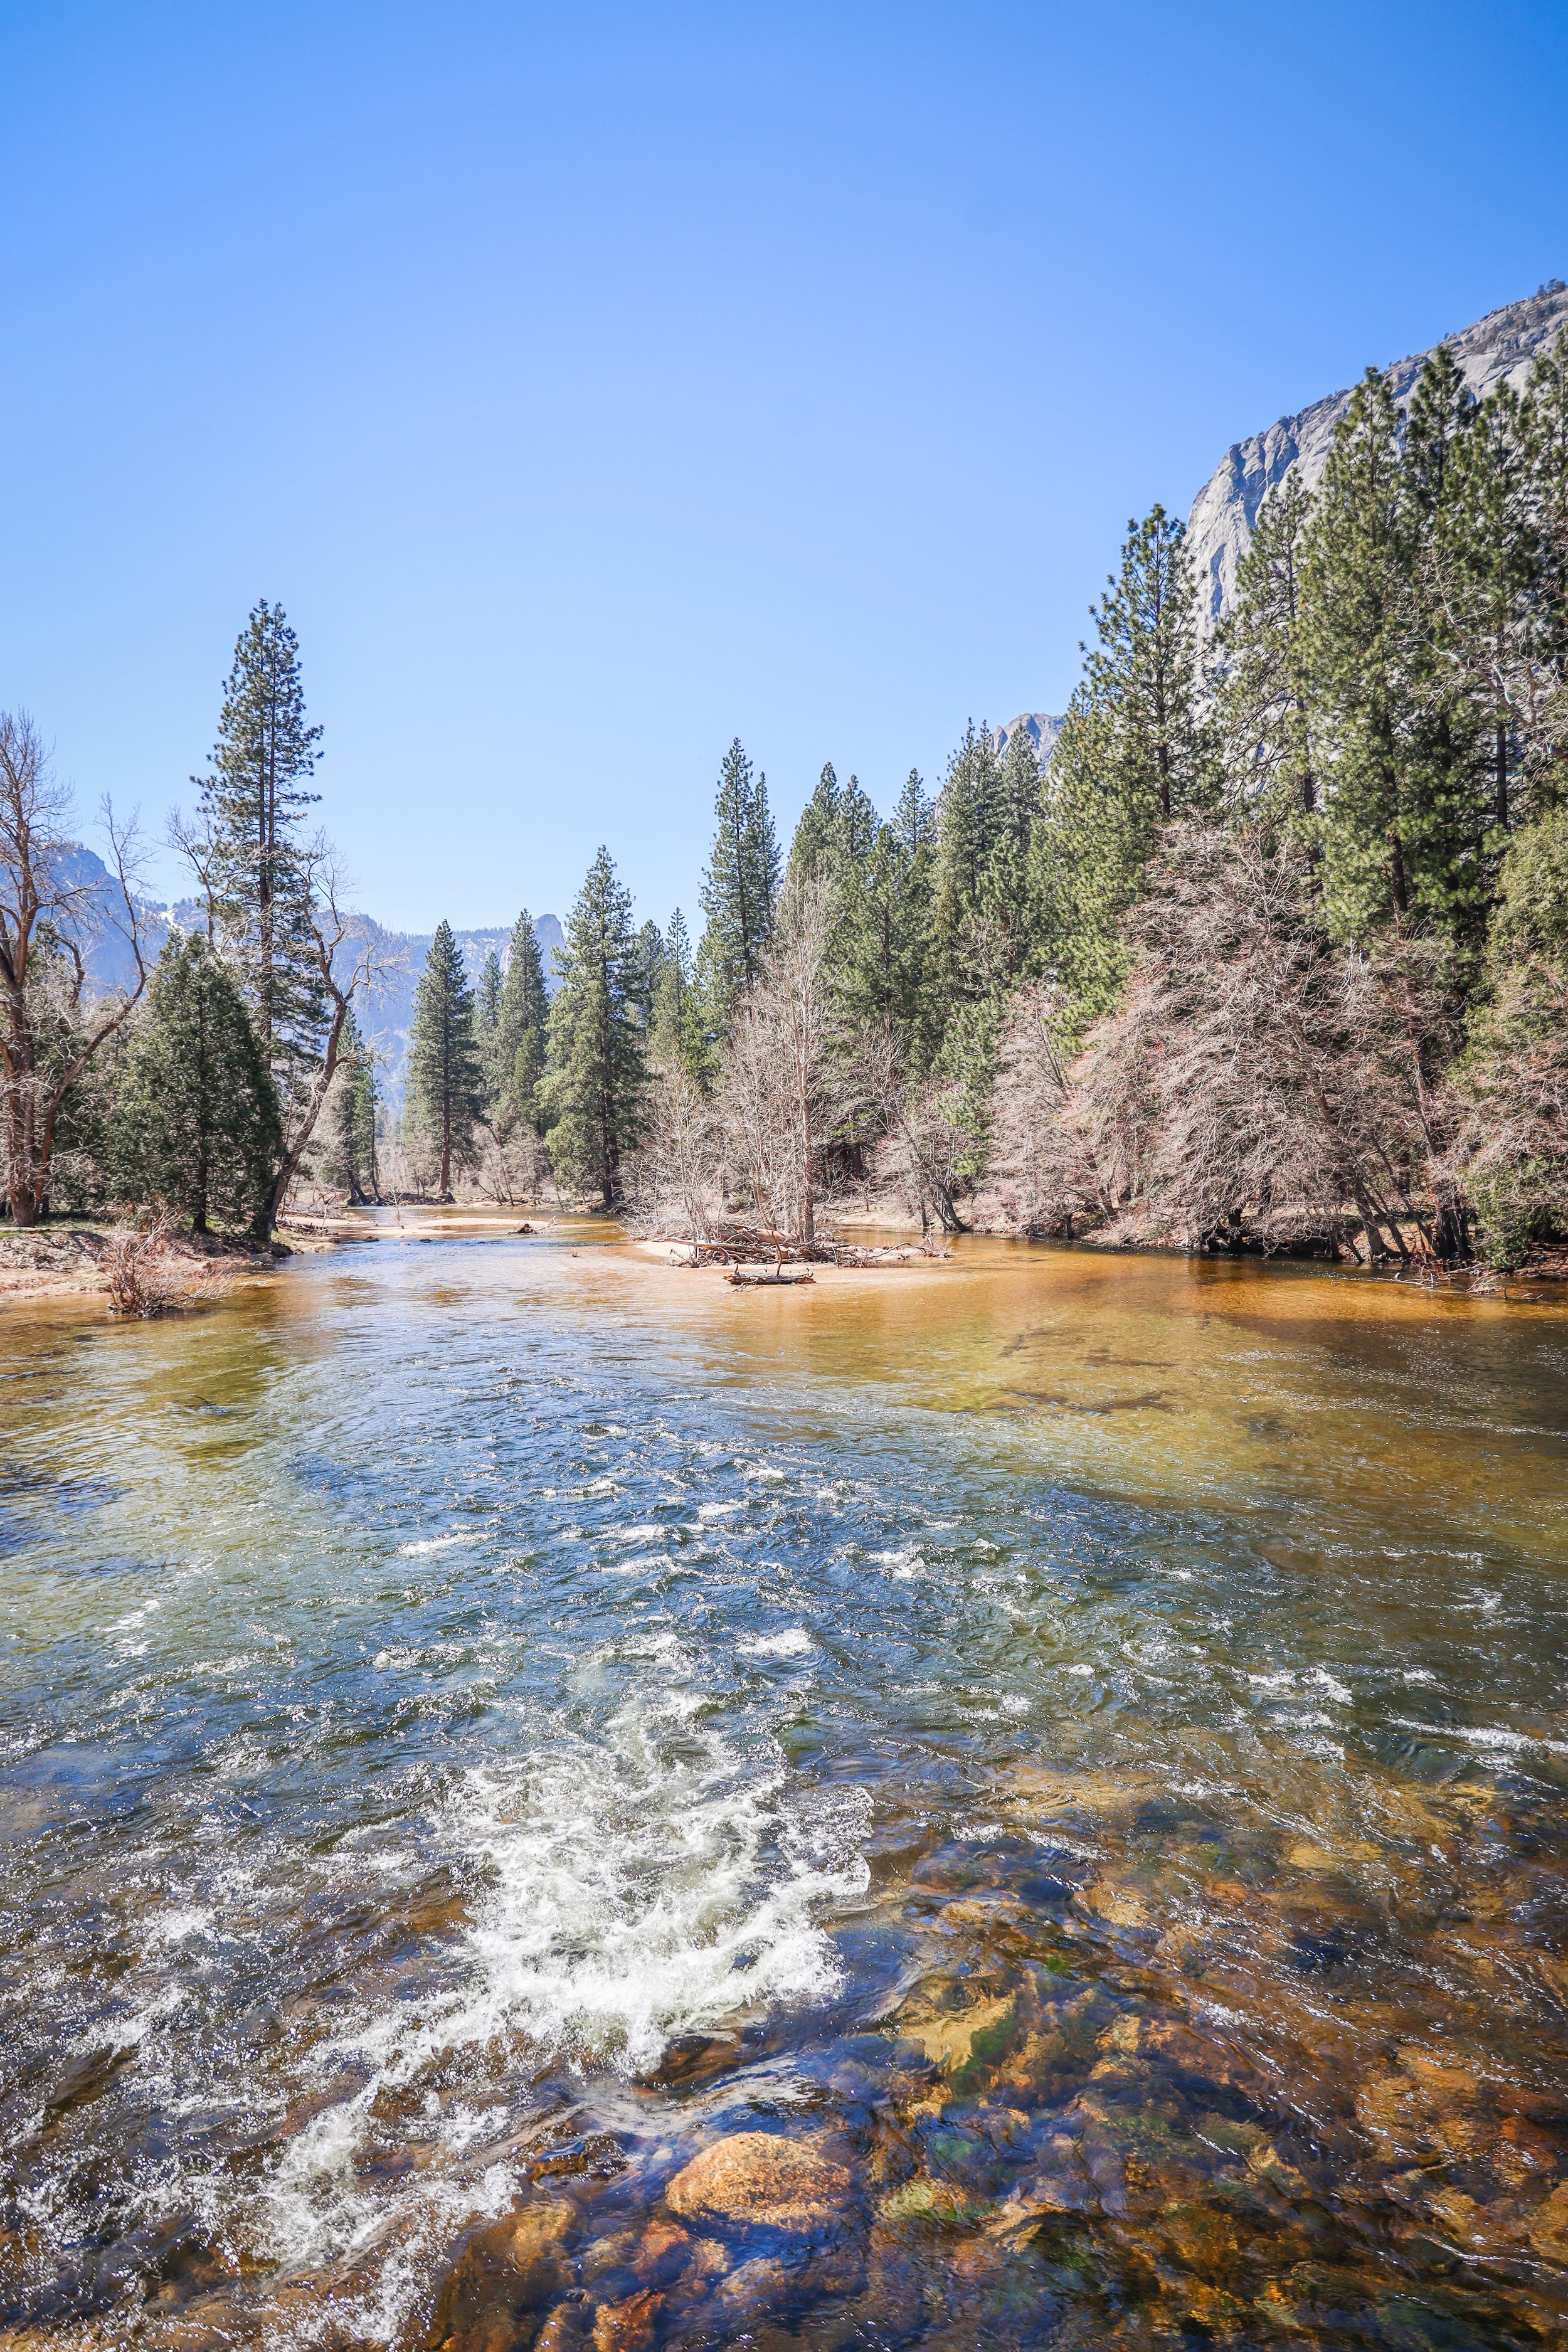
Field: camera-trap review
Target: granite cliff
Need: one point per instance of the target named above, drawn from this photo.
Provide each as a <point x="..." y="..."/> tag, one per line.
<point x="1040" y="727"/>
<point x="1497" y="349"/>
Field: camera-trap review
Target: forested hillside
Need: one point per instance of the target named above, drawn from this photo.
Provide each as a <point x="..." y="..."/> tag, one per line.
<point x="1269" y="950"/>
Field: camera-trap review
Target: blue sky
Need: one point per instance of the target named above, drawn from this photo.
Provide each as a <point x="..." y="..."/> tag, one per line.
<point x="592" y="384"/>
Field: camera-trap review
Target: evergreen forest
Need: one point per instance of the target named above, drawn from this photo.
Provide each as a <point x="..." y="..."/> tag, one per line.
<point x="1270" y="953"/>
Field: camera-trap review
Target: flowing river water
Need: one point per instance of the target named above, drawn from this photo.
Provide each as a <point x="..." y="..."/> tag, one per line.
<point x="1015" y="1802"/>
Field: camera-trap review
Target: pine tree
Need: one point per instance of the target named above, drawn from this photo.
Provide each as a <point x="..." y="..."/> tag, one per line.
<point x="1399" y="840"/>
<point x="651" y="954"/>
<point x="1134" y="751"/>
<point x="856" y="826"/>
<point x="253" y="807"/>
<point x="197" y="1123"/>
<point x="516" y="1065"/>
<point x="880" y="938"/>
<point x="1144" y="669"/>
<point x="740" y="886"/>
<point x="445" y="1083"/>
<point x="487" y="1006"/>
<point x="813" y="849"/>
<point x="594" y="1090"/>
<point x="914" y="819"/>
<point x="1543" y="433"/>
<point x="1264" y="715"/>
<point x="965" y="814"/>
<point x="1517" y="1066"/>
<point x="677" y="1038"/>
<point x="1496" y="583"/>
<point x="351" y="1155"/>
<point x="1005" y="897"/>
<point x="880" y="914"/>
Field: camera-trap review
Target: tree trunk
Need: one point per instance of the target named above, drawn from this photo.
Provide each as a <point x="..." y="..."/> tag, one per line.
<point x="267" y="1216"/>
<point x="1398" y="889"/>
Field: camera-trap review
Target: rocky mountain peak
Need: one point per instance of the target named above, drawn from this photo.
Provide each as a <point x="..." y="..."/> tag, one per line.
<point x="1040" y="727"/>
<point x="1497" y="348"/>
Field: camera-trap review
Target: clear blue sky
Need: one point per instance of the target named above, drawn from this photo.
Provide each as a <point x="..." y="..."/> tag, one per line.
<point x="595" y="383"/>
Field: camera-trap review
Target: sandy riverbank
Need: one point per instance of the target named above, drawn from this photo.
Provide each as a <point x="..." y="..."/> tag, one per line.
<point x="70" y="1261"/>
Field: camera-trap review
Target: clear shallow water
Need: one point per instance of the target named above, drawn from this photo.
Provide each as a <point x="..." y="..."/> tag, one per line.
<point x="1077" y="1742"/>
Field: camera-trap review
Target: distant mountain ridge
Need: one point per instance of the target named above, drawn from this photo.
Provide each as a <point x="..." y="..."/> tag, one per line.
<point x="387" y="1017"/>
<point x="1497" y="348"/>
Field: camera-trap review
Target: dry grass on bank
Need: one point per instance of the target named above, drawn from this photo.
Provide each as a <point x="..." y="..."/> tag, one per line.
<point x="142" y="1267"/>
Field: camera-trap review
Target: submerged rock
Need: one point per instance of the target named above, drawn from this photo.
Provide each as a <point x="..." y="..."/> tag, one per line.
<point x="951" y="2038"/>
<point x="628" y="2325"/>
<point x="664" y="2253"/>
<point x="757" y="2181"/>
<point x="563" y="2331"/>
<point x="505" y="2277"/>
<point x="792" y="2281"/>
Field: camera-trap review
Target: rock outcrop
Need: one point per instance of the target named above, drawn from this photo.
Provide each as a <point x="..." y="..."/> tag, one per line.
<point x="1497" y="349"/>
<point x="1040" y="727"/>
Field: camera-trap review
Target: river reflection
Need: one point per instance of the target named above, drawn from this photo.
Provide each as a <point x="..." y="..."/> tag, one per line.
<point x="1015" y="1801"/>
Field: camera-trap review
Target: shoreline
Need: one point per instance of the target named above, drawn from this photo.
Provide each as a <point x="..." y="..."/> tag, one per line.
<point x="66" y="1261"/>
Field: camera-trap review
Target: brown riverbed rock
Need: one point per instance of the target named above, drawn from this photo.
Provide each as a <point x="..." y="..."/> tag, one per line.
<point x="758" y="2180"/>
<point x="664" y="2253"/>
<point x="628" y="2325"/>
<point x="563" y="2331"/>
<point x="925" y="2206"/>
<point x="763" y="2285"/>
<point x="768" y="2285"/>
<point x="1199" y="2239"/>
<point x="951" y="2038"/>
<point x="1548" y="2229"/>
<point x="709" y="2266"/>
<point x="505" y="2277"/>
<point x="1420" y="2105"/>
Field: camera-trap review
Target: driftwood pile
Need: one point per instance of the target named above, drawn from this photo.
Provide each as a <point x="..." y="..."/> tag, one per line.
<point x="745" y="1246"/>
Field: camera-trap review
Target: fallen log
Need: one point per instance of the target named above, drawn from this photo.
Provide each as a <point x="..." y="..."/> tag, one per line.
<point x="757" y="1277"/>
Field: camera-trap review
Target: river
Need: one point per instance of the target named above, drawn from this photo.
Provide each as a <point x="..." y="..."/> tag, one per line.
<point x="1066" y="1752"/>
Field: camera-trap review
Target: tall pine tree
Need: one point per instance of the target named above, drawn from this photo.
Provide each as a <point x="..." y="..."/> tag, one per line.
<point x="487" y="1004"/>
<point x="253" y="807"/>
<point x="595" y="1084"/>
<point x="814" y="848"/>
<point x="445" y="1096"/>
<point x="1264" y="717"/>
<point x="1399" y="843"/>
<point x="515" y="1066"/>
<point x="740" y="886"/>
<point x="1135" y="752"/>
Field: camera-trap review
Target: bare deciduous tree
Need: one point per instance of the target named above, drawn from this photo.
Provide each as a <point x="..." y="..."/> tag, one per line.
<point x="514" y="1165"/>
<point x="1042" y="1164"/>
<point x="919" y="1148"/>
<point x="1258" y="1077"/>
<point x="675" y="1183"/>
<point x="346" y="957"/>
<point x="781" y="1087"/>
<point x="1257" y="1081"/>
<point x="49" y="912"/>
